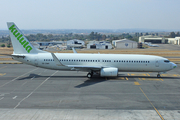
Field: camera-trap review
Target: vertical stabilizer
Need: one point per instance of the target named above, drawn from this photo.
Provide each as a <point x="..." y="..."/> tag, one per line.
<point x="21" y="44"/>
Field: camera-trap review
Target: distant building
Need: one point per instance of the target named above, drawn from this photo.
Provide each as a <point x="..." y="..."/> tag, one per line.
<point x="124" y="43"/>
<point x="99" y="45"/>
<point x="78" y="44"/>
<point x="35" y="44"/>
<point x="50" y="43"/>
<point x="153" y="39"/>
<point x="75" y="41"/>
<point x="46" y="45"/>
<point x="175" y="41"/>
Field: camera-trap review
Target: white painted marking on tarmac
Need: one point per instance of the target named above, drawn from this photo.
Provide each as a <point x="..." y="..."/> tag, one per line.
<point x="3" y="94"/>
<point x="14" y="97"/>
<point x="34" y="90"/>
<point x="1" y="98"/>
<point x="17" y="78"/>
<point x="33" y="77"/>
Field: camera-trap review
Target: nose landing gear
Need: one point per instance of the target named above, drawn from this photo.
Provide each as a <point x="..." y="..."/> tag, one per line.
<point x="158" y="75"/>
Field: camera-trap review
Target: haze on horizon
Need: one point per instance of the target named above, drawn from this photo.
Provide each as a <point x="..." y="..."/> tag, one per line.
<point x="91" y="14"/>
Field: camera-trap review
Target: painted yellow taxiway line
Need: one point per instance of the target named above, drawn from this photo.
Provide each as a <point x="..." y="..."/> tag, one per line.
<point x="3" y="67"/>
<point x="152" y="104"/>
<point x="136" y="83"/>
<point x="2" y="74"/>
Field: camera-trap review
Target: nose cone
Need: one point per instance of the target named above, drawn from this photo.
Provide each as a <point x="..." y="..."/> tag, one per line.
<point x="174" y="65"/>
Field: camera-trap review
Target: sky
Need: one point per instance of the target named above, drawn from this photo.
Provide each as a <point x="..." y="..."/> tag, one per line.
<point x="91" y="14"/>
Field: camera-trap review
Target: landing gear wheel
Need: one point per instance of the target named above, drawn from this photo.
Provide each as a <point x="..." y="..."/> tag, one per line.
<point x="158" y="75"/>
<point x="89" y="75"/>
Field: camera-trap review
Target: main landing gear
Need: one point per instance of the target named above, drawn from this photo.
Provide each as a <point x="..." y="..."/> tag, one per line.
<point x="90" y="74"/>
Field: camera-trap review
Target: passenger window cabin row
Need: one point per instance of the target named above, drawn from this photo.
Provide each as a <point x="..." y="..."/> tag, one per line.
<point x="131" y="61"/>
<point x="120" y="61"/>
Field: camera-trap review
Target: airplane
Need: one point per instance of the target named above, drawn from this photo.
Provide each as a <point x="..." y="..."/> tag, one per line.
<point x="106" y="65"/>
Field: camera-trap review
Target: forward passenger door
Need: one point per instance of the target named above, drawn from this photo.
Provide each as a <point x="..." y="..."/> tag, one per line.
<point x="157" y="63"/>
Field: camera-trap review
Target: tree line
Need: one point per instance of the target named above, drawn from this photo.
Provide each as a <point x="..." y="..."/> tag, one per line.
<point x="70" y="36"/>
<point x="173" y="35"/>
<point x="92" y="36"/>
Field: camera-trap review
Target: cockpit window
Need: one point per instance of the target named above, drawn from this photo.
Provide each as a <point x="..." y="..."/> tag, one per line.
<point x="166" y="61"/>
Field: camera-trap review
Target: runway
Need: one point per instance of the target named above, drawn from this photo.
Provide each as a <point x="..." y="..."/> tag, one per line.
<point x="48" y="94"/>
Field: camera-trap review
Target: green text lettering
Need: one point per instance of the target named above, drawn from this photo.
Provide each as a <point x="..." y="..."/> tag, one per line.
<point x="19" y="36"/>
<point x="28" y="48"/>
<point x="25" y="44"/>
<point x="12" y="28"/>
<point x="21" y="39"/>
<point x="14" y="33"/>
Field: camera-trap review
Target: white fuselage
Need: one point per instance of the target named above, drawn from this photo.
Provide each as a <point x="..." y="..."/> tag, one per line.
<point x="124" y="62"/>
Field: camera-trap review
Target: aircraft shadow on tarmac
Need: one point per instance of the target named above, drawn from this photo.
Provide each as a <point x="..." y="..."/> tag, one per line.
<point x="39" y="76"/>
<point x="155" y="77"/>
<point x="91" y="81"/>
<point x="96" y="79"/>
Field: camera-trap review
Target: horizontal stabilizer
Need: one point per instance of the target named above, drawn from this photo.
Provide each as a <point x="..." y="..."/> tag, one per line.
<point x="18" y="55"/>
<point x="14" y="55"/>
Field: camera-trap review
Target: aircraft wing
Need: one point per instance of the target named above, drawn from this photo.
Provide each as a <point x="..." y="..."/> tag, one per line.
<point x="75" y="67"/>
<point x="84" y="67"/>
<point x="56" y="60"/>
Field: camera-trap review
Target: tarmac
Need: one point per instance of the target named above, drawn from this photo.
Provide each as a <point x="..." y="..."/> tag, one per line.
<point x="32" y="93"/>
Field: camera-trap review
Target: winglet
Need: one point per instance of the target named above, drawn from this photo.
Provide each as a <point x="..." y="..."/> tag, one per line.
<point x="56" y="60"/>
<point x="74" y="50"/>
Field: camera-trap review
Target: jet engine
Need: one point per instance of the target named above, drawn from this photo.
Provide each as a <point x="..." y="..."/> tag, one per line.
<point x="109" y="72"/>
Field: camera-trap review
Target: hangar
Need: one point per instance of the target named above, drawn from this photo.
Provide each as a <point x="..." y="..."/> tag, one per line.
<point x="99" y="45"/>
<point x="124" y="43"/>
<point x="75" y="42"/>
<point x="78" y="44"/>
<point x="175" y="41"/>
<point x="153" y="39"/>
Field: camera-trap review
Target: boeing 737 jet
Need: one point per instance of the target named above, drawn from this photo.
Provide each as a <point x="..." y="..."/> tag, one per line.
<point x="106" y="65"/>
